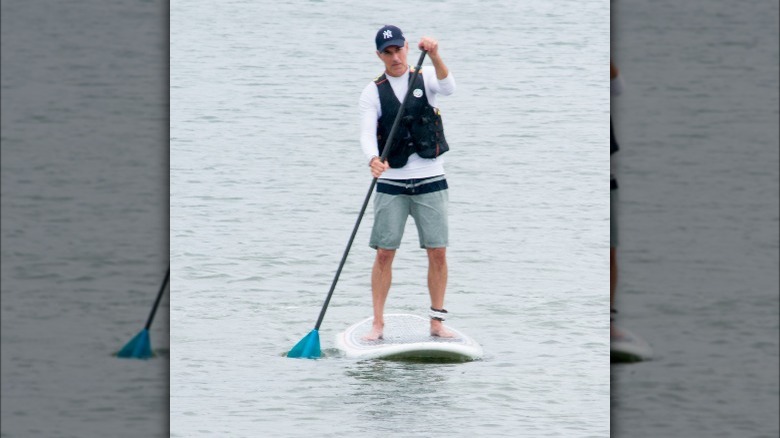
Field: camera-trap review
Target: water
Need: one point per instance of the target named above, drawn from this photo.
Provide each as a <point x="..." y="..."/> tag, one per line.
<point x="267" y="178"/>
<point x="699" y="218"/>
<point x="84" y="237"/>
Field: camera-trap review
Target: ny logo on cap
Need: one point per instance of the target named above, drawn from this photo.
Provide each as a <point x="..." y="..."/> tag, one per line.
<point x="387" y="34"/>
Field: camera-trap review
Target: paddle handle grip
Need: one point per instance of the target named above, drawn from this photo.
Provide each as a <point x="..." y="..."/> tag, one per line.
<point x="386" y="150"/>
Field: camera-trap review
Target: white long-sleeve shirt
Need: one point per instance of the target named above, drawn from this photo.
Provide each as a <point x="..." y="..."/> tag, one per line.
<point x="371" y="110"/>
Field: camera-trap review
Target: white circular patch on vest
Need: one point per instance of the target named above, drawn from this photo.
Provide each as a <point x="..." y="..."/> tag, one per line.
<point x="417" y="92"/>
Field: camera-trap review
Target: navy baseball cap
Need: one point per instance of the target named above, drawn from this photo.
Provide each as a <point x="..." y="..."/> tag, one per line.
<point x="389" y="35"/>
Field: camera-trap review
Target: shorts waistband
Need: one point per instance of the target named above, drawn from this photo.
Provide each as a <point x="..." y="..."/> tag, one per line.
<point x="414" y="186"/>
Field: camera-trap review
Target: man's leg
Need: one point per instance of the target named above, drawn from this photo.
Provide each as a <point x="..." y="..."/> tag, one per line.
<point x="430" y="215"/>
<point x="613" y="274"/>
<point x="381" y="278"/>
<point x="613" y="268"/>
<point x="437" y="286"/>
<point x="390" y="214"/>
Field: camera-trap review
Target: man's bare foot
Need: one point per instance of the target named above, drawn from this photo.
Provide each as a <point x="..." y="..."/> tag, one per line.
<point x="438" y="329"/>
<point x="375" y="334"/>
<point x="615" y="334"/>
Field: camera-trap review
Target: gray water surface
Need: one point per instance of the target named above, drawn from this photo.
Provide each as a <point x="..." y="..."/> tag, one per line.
<point x="699" y="218"/>
<point x="84" y="217"/>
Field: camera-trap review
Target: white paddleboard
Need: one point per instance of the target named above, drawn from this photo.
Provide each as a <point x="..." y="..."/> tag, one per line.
<point x="629" y="348"/>
<point x="406" y="337"/>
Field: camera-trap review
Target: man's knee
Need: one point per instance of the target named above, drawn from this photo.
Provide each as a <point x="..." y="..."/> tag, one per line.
<point x="384" y="257"/>
<point x="437" y="256"/>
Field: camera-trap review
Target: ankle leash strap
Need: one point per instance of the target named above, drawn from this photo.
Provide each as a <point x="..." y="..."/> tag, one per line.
<point x="438" y="314"/>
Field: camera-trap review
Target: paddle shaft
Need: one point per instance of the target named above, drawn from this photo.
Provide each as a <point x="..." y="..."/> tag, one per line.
<point x="157" y="301"/>
<point x="383" y="157"/>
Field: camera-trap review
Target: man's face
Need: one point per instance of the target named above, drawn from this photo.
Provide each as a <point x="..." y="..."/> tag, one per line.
<point x="394" y="58"/>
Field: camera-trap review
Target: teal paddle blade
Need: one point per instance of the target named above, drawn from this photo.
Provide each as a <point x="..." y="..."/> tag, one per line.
<point x="138" y="348"/>
<point x="308" y="347"/>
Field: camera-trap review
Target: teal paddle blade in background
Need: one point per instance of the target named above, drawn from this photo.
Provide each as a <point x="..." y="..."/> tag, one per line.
<point x="140" y="347"/>
<point x="308" y="347"/>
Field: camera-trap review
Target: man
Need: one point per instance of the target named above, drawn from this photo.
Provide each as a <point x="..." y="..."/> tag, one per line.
<point x="616" y="87"/>
<point x="411" y="180"/>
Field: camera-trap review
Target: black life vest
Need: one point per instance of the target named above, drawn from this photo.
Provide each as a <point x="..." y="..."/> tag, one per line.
<point x="613" y="147"/>
<point x="421" y="129"/>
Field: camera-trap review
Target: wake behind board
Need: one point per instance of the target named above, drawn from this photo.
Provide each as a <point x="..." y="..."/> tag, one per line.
<point x="629" y="348"/>
<point x="406" y="337"/>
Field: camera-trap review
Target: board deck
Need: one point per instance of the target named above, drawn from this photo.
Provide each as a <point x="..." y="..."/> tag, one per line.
<point x="406" y="337"/>
<point x="630" y="348"/>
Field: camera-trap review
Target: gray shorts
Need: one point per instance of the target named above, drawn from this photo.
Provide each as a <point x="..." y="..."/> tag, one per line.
<point x="613" y="218"/>
<point x="429" y="211"/>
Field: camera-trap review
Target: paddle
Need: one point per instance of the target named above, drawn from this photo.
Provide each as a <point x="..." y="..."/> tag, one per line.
<point x="309" y="346"/>
<point x="140" y="347"/>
